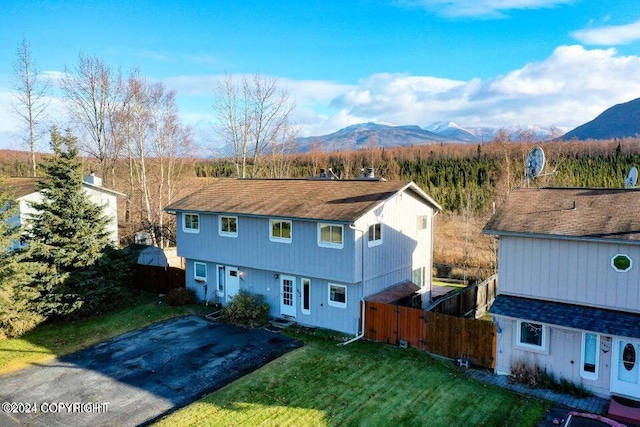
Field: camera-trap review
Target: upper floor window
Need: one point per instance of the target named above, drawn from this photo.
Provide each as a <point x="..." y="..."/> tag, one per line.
<point x="375" y="235"/>
<point x="191" y="223"/>
<point x="228" y="226"/>
<point x="280" y="230"/>
<point x="621" y="263"/>
<point x="421" y="222"/>
<point x="531" y="335"/>
<point x="330" y="235"/>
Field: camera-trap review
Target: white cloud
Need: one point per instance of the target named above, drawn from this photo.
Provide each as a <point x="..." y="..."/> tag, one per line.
<point x="609" y="36"/>
<point x="567" y="89"/>
<point x="480" y="8"/>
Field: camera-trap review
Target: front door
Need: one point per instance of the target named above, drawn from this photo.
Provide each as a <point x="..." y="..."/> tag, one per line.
<point x="288" y="296"/>
<point x="232" y="282"/>
<point x="625" y="378"/>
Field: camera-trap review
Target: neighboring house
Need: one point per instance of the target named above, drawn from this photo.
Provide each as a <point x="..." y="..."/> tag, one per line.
<point x="569" y="294"/>
<point x="26" y="192"/>
<point x="314" y="248"/>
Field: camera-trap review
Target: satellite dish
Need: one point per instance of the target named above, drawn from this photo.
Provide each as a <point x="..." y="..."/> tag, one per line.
<point x="632" y="178"/>
<point x="534" y="163"/>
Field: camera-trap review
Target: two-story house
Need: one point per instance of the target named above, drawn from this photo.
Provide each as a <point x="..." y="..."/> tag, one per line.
<point x="314" y="248"/>
<point x="569" y="295"/>
<point x="27" y="191"/>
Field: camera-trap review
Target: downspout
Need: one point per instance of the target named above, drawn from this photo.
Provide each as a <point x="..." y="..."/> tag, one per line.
<point x="362" y="303"/>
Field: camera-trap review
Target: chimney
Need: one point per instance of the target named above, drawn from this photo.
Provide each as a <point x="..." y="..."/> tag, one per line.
<point x="93" y="180"/>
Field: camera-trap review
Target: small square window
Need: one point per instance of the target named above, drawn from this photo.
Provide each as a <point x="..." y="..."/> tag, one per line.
<point x="531" y="335"/>
<point x="191" y="223"/>
<point x="229" y="226"/>
<point x="621" y="263"/>
<point x="330" y="235"/>
<point x="280" y="230"/>
<point x="337" y="295"/>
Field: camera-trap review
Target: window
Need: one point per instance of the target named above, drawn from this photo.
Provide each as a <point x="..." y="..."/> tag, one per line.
<point x="417" y="276"/>
<point x="375" y="235"/>
<point x="421" y="223"/>
<point x="191" y="223"/>
<point x="337" y="295"/>
<point x="280" y="230"/>
<point x="621" y="263"/>
<point x="306" y="296"/>
<point x="200" y="271"/>
<point x="330" y="235"/>
<point x="221" y="279"/>
<point x="590" y="356"/>
<point x="531" y="335"/>
<point x="229" y="226"/>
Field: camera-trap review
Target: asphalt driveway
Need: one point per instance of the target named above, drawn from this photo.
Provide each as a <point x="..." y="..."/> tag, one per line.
<point x="137" y="377"/>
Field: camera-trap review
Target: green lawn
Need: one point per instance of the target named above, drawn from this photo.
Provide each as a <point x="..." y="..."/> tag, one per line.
<point x="49" y="341"/>
<point x="363" y="383"/>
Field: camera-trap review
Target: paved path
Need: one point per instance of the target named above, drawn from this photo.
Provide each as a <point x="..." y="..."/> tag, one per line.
<point x="139" y="376"/>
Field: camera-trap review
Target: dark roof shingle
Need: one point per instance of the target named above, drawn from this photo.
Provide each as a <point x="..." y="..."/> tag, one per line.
<point x="603" y="213"/>
<point x="294" y="198"/>
<point x="609" y="322"/>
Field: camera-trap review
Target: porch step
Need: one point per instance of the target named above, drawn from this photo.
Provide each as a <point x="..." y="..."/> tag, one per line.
<point x="278" y="325"/>
<point x="215" y="316"/>
<point x="624" y="410"/>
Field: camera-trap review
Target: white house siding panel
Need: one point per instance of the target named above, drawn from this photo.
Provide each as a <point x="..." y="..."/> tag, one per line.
<point x="264" y="282"/>
<point x="109" y="203"/>
<point x="253" y="247"/>
<point x="577" y="272"/>
<point x="562" y="359"/>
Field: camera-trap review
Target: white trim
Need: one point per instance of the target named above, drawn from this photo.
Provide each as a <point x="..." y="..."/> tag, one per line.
<point x="375" y="242"/>
<point x="220" y="289"/>
<point x="184" y="223"/>
<point x="324" y="244"/>
<point x="195" y="271"/>
<point x="302" y="309"/>
<point x="543" y="345"/>
<point x="227" y="233"/>
<point x="618" y="269"/>
<point x="336" y="303"/>
<point x="586" y="374"/>
<point x="273" y="238"/>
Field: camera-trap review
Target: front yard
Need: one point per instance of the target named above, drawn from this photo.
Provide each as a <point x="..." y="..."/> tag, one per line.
<point x="363" y="383"/>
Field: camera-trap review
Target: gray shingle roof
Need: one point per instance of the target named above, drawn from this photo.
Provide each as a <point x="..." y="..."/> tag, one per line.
<point x="333" y="200"/>
<point x="609" y="322"/>
<point x="603" y="213"/>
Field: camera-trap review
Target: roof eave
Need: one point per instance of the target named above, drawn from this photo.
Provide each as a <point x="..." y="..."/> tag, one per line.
<point x="558" y="237"/>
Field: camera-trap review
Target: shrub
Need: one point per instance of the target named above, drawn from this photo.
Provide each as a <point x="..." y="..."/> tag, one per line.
<point x="247" y="310"/>
<point x="181" y="296"/>
<point x="525" y="372"/>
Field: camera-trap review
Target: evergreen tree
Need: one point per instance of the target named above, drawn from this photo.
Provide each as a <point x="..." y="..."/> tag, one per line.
<point x="16" y="316"/>
<point x="67" y="235"/>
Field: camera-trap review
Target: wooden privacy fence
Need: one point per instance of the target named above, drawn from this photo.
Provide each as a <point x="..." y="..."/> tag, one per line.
<point x="151" y="278"/>
<point x="436" y="333"/>
<point x="471" y="302"/>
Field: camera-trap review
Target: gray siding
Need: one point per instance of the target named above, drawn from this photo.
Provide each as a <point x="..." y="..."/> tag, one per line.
<point x="252" y="247"/>
<point x="263" y="282"/>
<point x="562" y="358"/>
<point x="569" y="271"/>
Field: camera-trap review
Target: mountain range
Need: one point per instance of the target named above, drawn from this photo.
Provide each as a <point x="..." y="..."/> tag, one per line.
<point x="619" y="121"/>
<point x="370" y="134"/>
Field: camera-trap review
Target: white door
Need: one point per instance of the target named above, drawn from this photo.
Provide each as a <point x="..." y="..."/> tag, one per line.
<point x="625" y="378"/>
<point x="288" y="296"/>
<point x="232" y="282"/>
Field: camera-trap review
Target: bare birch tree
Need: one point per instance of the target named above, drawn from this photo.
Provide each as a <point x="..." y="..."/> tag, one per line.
<point x="31" y="96"/>
<point x="250" y="116"/>
<point x="92" y="91"/>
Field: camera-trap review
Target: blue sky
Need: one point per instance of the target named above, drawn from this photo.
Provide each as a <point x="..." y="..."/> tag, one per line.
<point x="475" y="62"/>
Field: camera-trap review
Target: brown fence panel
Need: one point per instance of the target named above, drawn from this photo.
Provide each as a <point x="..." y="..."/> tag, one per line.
<point x="151" y="278"/>
<point x="381" y="322"/>
<point x="455" y="337"/>
<point x="411" y="326"/>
